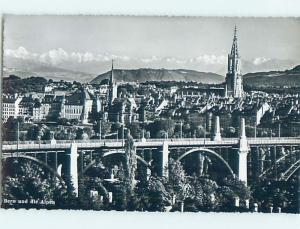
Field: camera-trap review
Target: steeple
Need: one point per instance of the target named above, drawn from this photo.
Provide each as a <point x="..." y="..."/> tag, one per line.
<point x="234" y="81"/>
<point x="234" y="48"/>
<point x="113" y="87"/>
<point x="111" y="80"/>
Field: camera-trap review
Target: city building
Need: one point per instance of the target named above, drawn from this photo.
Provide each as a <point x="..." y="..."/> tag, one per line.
<point x="78" y="105"/>
<point x="10" y="106"/>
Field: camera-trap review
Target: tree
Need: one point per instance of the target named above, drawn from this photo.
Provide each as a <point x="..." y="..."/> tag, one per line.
<point x="157" y="193"/>
<point x="202" y="195"/>
<point x="142" y="198"/>
<point x="282" y="194"/>
<point x="105" y="128"/>
<point x="229" y="189"/>
<point x="63" y="121"/>
<point x="186" y="128"/>
<point x="15" y="84"/>
<point x="65" y="133"/>
<point x="177" y="184"/>
<point x="10" y="128"/>
<point x="135" y="130"/>
<point x="83" y="133"/>
<point x="74" y="121"/>
<point x="159" y="125"/>
<point x="26" y="180"/>
<point x="200" y="131"/>
<point x="238" y="187"/>
<point x="130" y="164"/>
<point x="86" y="184"/>
<point x="34" y="132"/>
<point x="125" y="190"/>
<point x="38" y="132"/>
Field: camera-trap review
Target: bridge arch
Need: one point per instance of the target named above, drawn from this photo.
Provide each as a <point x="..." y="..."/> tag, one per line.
<point x="279" y="160"/>
<point x="290" y="171"/>
<point x="209" y="151"/>
<point x="111" y="153"/>
<point x="43" y="164"/>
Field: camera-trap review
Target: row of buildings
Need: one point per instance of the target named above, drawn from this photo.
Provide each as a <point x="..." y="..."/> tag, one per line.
<point x="34" y="108"/>
<point x="89" y="103"/>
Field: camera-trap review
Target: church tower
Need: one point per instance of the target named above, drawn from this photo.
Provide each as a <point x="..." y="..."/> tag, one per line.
<point x="113" y="87"/>
<point x="234" y="80"/>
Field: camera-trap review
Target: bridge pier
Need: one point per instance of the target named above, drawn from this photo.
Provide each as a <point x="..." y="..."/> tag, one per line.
<point x="261" y="160"/>
<point x="71" y="171"/>
<point x="242" y="153"/>
<point x="273" y="154"/>
<point x="217" y="130"/>
<point x="255" y="162"/>
<point x="164" y="159"/>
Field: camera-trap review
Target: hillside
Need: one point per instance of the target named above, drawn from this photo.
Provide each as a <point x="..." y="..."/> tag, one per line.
<point x="14" y="84"/>
<point x="148" y="74"/>
<point x="289" y="78"/>
<point x="49" y="73"/>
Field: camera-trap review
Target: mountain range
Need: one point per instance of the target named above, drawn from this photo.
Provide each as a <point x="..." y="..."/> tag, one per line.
<point x="261" y="78"/>
<point x="60" y="64"/>
<point x="289" y="78"/>
<point x="148" y="74"/>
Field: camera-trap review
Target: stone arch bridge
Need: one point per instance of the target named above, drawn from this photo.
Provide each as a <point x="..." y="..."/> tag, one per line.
<point x="246" y="158"/>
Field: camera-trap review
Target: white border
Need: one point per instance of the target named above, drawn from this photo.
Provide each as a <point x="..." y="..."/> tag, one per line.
<point x="83" y="219"/>
<point x="262" y="8"/>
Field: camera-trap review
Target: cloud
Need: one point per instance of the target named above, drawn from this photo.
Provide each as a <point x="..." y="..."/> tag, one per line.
<point x="260" y="60"/>
<point x="210" y="59"/>
<point x="204" y="59"/>
<point x="20" y="53"/>
<point x="151" y="59"/>
<point x="58" y="56"/>
<point x="84" y="61"/>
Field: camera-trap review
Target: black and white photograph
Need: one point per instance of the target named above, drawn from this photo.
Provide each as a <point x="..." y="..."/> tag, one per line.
<point x="151" y="113"/>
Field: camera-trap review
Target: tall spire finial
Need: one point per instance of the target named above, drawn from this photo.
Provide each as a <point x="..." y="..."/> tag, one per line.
<point x="235" y="32"/>
<point x="112" y="72"/>
<point x="234" y="49"/>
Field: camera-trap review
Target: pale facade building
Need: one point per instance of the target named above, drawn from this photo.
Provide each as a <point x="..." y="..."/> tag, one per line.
<point x="77" y="106"/>
<point x="10" y="106"/>
<point x="40" y="112"/>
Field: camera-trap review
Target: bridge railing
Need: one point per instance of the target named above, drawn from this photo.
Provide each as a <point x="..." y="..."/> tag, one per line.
<point x="111" y="140"/>
<point x="277" y="140"/>
<point x="176" y="141"/>
<point x="59" y="141"/>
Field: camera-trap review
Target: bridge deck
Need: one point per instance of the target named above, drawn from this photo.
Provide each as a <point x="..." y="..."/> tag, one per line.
<point x="149" y="143"/>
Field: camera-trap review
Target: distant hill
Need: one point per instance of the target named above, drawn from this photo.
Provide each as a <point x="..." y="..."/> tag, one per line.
<point x="148" y="74"/>
<point x="14" y="84"/>
<point x="290" y="78"/>
<point x="49" y="72"/>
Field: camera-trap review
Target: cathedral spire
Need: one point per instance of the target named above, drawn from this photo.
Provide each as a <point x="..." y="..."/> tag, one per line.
<point x="235" y="32"/>
<point x="234" y="49"/>
<point x="112" y="72"/>
<point x="113" y="87"/>
<point x="234" y="81"/>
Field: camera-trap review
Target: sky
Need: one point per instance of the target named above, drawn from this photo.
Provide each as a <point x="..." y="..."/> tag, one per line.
<point x="88" y="43"/>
